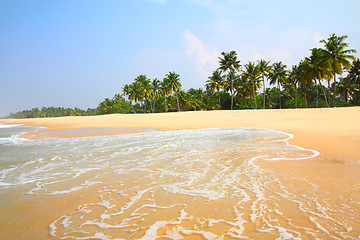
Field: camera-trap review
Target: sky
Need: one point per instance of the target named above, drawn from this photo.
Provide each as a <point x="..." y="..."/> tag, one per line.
<point x="75" y="53"/>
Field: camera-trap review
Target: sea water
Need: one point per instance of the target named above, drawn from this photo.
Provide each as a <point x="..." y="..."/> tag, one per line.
<point x="183" y="184"/>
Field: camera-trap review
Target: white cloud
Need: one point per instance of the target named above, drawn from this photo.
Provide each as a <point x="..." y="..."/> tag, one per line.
<point x="204" y="58"/>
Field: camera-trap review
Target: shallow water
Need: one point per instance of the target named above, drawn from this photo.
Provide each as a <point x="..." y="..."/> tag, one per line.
<point x="185" y="184"/>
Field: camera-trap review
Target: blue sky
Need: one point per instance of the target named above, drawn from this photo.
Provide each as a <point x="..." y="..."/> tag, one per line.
<point x="74" y="53"/>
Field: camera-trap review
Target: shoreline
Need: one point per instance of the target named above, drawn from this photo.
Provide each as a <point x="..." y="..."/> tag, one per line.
<point x="334" y="132"/>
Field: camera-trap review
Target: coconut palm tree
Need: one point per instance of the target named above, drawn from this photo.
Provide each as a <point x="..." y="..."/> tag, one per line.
<point x="144" y="89"/>
<point x="294" y="79"/>
<point x="243" y="87"/>
<point x="278" y="76"/>
<point x="216" y="81"/>
<point x="230" y="63"/>
<point x="252" y="73"/>
<point x="156" y="85"/>
<point x="305" y="78"/>
<point x="317" y="70"/>
<point x="336" y="56"/>
<point x="354" y="72"/>
<point x="166" y="90"/>
<point x="175" y="85"/>
<point x="264" y="68"/>
<point x="345" y="87"/>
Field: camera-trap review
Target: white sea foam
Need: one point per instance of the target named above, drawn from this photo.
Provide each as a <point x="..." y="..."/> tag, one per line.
<point x="9" y="125"/>
<point x="152" y="182"/>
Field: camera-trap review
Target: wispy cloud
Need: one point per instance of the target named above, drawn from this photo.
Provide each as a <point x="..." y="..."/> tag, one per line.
<point x="204" y="58"/>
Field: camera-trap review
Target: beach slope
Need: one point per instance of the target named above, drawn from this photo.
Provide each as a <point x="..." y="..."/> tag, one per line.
<point x="334" y="132"/>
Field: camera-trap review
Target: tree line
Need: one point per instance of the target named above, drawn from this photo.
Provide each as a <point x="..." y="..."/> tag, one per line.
<point x="316" y="81"/>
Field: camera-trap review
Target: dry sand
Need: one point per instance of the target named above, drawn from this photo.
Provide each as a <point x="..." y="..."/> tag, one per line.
<point x="334" y="132"/>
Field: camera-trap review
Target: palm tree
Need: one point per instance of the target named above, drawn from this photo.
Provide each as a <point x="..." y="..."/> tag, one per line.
<point x="243" y="87"/>
<point x="354" y="75"/>
<point x="126" y="90"/>
<point x="156" y="84"/>
<point x="135" y="92"/>
<point x="336" y="56"/>
<point x="264" y="68"/>
<point x="144" y="89"/>
<point x="318" y="71"/>
<point x="175" y="85"/>
<point x="166" y="90"/>
<point x="345" y="87"/>
<point x="278" y="76"/>
<point x="216" y="81"/>
<point x="294" y="78"/>
<point x="252" y="73"/>
<point x="354" y="72"/>
<point x="230" y="63"/>
<point x="305" y="77"/>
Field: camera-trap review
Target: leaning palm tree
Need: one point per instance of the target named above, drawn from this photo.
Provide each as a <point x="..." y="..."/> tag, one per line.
<point x="252" y="73"/>
<point x="230" y="63"/>
<point x="336" y="56"/>
<point x="216" y="81"/>
<point x="175" y="85"/>
<point x="278" y="76"/>
<point x="264" y="68"/>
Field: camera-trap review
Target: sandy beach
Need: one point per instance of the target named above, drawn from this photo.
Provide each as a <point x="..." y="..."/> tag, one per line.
<point x="311" y="198"/>
<point x="334" y="132"/>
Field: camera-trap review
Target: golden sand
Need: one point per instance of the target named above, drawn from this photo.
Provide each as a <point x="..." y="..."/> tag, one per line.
<point x="334" y="132"/>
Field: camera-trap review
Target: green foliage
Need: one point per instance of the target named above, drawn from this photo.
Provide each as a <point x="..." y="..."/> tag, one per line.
<point x="53" y="112"/>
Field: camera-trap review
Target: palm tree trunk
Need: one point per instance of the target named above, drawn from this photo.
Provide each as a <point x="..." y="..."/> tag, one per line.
<point x="346" y="96"/>
<point x="322" y="87"/>
<point x="177" y="99"/>
<point x="165" y="103"/>
<point x="334" y="89"/>
<point x="254" y="95"/>
<point x="264" y="91"/>
<point x="219" y="97"/>
<point x="279" y="94"/>
<point x="154" y="102"/>
<point x="232" y="95"/>
<point x="317" y="94"/>
<point x="295" y="96"/>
